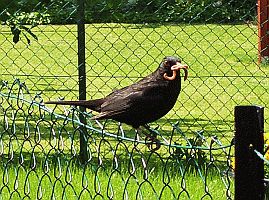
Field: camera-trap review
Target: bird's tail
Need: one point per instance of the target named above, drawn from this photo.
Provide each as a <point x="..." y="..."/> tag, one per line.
<point x="91" y="104"/>
<point x="75" y="103"/>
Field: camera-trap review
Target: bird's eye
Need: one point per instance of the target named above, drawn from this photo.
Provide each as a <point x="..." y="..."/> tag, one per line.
<point x="165" y="63"/>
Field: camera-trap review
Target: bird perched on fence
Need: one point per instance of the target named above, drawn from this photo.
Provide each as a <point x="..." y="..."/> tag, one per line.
<point x="142" y="102"/>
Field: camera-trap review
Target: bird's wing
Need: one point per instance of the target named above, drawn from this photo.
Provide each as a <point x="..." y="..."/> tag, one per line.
<point x="145" y="95"/>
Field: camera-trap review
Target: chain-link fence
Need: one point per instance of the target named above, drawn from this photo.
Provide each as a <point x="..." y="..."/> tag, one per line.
<point x="125" y="41"/>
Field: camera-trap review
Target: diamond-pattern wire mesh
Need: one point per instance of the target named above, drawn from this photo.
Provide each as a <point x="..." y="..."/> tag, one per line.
<point x="217" y="75"/>
<point x="40" y="156"/>
<point x="223" y="73"/>
<point x="39" y="61"/>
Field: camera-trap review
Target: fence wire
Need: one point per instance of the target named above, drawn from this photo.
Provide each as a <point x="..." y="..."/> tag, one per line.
<point x="40" y="157"/>
<point x="40" y="147"/>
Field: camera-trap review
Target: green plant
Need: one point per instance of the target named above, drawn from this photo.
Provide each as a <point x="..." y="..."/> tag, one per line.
<point x="138" y="11"/>
<point x="23" y="23"/>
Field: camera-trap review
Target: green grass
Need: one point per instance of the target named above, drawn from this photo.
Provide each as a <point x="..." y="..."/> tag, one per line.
<point x="223" y="73"/>
<point x="222" y="59"/>
<point x="42" y="161"/>
<point x="64" y="180"/>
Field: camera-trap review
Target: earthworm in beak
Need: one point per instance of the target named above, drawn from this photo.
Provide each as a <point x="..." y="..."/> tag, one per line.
<point x="176" y="68"/>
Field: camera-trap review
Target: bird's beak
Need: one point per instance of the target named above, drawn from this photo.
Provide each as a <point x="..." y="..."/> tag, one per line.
<point x="179" y="66"/>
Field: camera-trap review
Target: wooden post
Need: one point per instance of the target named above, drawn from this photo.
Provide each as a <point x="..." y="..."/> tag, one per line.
<point x="249" y="168"/>
<point x="263" y="29"/>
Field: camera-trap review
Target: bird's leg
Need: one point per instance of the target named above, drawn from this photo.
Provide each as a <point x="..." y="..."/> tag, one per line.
<point x="152" y="138"/>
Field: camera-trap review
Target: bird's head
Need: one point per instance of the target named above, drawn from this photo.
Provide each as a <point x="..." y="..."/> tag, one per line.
<point x="171" y="66"/>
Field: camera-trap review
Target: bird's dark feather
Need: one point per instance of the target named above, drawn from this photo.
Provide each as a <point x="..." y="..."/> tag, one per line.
<point x="137" y="104"/>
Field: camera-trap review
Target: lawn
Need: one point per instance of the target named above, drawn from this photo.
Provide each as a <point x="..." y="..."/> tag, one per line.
<point x="222" y="60"/>
<point x="70" y="183"/>
<point x="223" y="73"/>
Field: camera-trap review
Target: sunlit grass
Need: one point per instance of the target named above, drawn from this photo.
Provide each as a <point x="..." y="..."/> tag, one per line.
<point x="223" y="73"/>
<point x="222" y="59"/>
<point x="67" y="181"/>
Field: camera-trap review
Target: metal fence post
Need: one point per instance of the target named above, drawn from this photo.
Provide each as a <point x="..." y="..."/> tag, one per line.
<point x="249" y="168"/>
<point x="263" y="29"/>
<point x="82" y="77"/>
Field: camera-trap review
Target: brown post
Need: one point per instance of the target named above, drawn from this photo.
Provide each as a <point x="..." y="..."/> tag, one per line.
<point x="263" y="29"/>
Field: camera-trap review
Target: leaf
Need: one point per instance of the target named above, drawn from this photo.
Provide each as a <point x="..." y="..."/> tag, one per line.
<point x="28" y="30"/>
<point x="16" y="38"/>
<point x="28" y="40"/>
<point x="16" y="35"/>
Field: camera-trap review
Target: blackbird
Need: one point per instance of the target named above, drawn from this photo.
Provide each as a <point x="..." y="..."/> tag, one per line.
<point x="142" y="102"/>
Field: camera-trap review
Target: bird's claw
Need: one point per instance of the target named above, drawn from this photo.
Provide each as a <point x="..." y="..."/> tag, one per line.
<point x="152" y="143"/>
